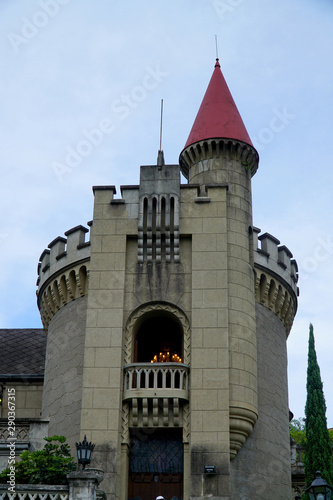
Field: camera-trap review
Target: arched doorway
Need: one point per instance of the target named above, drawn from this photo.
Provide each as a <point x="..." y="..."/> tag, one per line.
<point x="156" y="454"/>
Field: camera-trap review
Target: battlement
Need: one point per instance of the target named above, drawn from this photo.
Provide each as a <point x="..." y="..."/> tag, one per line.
<point x="63" y="252"/>
<point x="63" y="271"/>
<point x="276" y="275"/>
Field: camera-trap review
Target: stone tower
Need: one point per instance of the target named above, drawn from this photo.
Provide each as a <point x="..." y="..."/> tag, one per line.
<point x="167" y="328"/>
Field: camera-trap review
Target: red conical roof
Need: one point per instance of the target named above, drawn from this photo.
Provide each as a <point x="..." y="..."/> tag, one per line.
<point x="218" y="116"/>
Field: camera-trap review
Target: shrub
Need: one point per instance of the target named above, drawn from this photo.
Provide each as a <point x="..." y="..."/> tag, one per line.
<point x="47" y="466"/>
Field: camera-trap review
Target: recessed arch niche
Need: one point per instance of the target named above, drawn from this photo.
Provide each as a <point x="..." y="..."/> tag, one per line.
<point x="151" y="328"/>
<point x="158" y="339"/>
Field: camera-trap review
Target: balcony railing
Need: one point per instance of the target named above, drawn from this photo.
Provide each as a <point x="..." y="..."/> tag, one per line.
<point x="156" y="380"/>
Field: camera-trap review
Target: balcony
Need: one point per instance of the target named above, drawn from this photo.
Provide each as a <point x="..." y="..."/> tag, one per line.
<point x="156" y="380"/>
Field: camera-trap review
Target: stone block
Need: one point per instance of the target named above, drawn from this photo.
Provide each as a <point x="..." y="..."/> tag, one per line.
<point x="201" y="358"/>
<point x="103" y="227"/>
<point x="98" y="337"/>
<point x="204" y="318"/>
<point x="94" y="419"/>
<point x="105" y="398"/>
<point x="196" y="379"/>
<point x="196" y="421"/>
<point x="216" y="421"/>
<point x="109" y="317"/>
<point x="215" y="225"/>
<point x="215" y="298"/>
<point x="215" y="338"/>
<point x="200" y="242"/>
<point x="113" y="419"/>
<point x="95" y="377"/>
<point x="204" y="399"/>
<point x="112" y="243"/>
<point x="111" y="280"/>
<point x="106" y="357"/>
<point x="215" y="378"/>
<point x="87" y="398"/>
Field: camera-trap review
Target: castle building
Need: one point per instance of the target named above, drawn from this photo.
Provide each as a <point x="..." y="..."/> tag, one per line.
<point x="167" y="326"/>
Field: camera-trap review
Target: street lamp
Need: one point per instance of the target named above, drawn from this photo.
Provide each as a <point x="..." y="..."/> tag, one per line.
<point x="319" y="489"/>
<point x="84" y="452"/>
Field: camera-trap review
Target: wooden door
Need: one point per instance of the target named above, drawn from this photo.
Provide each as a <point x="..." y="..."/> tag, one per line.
<point x="151" y="485"/>
<point x="156" y="465"/>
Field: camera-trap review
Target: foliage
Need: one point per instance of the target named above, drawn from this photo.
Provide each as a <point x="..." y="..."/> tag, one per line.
<point x="47" y="466"/>
<point x="330" y="433"/>
<point x="297" y="430"/>
<point x="318" y="454"/>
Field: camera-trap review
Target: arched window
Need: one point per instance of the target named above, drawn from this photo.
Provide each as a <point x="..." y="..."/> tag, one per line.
<point x="159" y="339"/>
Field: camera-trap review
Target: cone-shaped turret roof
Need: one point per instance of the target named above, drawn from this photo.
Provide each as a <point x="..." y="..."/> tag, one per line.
<point x="218" y="116"/>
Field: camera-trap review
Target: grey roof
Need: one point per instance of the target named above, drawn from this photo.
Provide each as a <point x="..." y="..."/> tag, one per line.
<point x="22" y="353"/>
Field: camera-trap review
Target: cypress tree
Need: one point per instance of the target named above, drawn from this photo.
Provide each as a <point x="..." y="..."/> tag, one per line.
<point x="318" y="455"/>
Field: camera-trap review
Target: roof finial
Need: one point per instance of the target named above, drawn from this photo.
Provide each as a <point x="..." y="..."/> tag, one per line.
<point x="217" y="64"/>
<point x="160" y="155"/>
<point x="161" y="125"/>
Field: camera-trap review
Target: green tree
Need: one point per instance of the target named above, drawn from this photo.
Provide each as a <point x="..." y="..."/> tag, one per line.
<point x="318" y="454"/>
<point x="297" y="430"/>
<point x="47" y="466"/>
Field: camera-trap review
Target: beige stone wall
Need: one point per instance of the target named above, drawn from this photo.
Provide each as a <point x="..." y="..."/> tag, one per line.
<point x="63" y="371"/>
<point x="28" y="399"/>
<point x="102" y="376"/>
<point x="261" y="469"/>
<point x="205" y="220"/>
<point x="218" y="215"/>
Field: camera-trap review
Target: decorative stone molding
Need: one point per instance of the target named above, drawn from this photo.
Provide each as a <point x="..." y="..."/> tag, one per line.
<point x="63" y="272"/>
<point x="143" y="408"/>
<point x="139" y="315"/>
<point x="276" y="276"/>
<point x="241" y="422"/>
<point x="34" y="492"/>
<point x="156" y="380"/>
<point x="276" y="297"/>
<point x="218" y="148"/>
<point x="61" y="289"/>
<point x="158" y="218"/>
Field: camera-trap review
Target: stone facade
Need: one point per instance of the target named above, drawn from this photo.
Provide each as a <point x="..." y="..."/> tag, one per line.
<point x="267" y="453"/>
<point x="64" y="356"/>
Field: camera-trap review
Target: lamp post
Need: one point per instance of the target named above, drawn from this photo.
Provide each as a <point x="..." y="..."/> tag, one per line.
<point x="319" y="489"/>
<point x="84" y="452"/>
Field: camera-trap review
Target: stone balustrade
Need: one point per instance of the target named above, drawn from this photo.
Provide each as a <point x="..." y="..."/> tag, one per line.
<point x="34" y="492"/>
<point x="156" y="380"/>
<point x="82" y="485"/>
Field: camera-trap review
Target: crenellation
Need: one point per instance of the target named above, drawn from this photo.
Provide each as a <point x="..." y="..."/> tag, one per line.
<point x="277" y="258"/>
<point x="294" y="270"/>
<point x="63" y="272"/>
<point x="44" y="261"/>
<point x="269" y="244"/>
<point x="76" y="238"/>
<point x="62" y="253"/>
<point x="284" y="256"/>
<point x="276" y="276"/>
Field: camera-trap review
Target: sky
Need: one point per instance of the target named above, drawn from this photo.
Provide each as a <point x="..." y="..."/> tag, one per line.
<point x="81" y="85"/>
